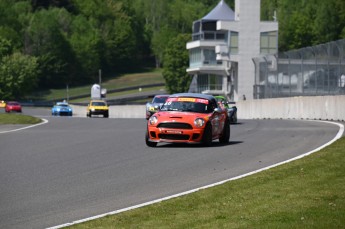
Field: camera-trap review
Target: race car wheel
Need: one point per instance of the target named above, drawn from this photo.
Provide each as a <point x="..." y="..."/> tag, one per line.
<point x="226" y="132"/>
<point x="106" y="115"/>
<point x="234" y="119"/>
<point x="149" y="143"/>
<point x="207" y="137"/>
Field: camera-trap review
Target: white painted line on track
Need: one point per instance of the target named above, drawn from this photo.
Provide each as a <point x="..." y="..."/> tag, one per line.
<point x="339" y="134"/>
<point x="44" y="121"/>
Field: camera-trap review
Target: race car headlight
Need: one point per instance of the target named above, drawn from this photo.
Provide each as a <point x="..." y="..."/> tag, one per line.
<point x="92" y="109"/>
<point x="153" y="120"/>
<point x="199" y="122"/>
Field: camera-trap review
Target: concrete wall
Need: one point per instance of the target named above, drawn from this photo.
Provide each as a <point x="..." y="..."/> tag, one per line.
<point x="315" y="107"/>
<point x="116" y="111"/>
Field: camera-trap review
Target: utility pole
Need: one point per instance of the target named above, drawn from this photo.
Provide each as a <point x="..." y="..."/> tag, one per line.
<point x="67" y="93"/>
<point x="100" y="82"/>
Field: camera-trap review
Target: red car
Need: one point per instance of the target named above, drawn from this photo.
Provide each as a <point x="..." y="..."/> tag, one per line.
<point x="188" y="118"/>
<point x="13" y="106"/>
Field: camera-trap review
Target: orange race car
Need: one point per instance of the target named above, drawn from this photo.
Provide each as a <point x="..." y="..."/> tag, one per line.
<point x="188" y="118"/>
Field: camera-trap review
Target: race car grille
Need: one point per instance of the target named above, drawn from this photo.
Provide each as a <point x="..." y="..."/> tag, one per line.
<point x="175" y="125"/>
<point x="64" y="113"/>
<point x="174" y="136"/>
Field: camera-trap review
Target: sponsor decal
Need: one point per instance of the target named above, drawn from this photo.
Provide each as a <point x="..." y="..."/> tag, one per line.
<point x="193" y="100"/>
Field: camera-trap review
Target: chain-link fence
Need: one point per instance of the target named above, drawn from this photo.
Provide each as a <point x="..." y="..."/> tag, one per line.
<point x="311" y="71"/>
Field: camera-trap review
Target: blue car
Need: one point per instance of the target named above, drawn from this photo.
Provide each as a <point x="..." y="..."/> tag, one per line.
<point x="62" y="109"/>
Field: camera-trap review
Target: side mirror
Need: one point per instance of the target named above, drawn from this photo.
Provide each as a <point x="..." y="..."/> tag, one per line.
<point x="218" y="110"/>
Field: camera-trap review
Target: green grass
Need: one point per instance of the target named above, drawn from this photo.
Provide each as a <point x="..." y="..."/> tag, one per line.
<point x="128" y="80"/>
<point x="307" y="193"/>
<point x="18" y="119"/>
<point x="127" y="92"/>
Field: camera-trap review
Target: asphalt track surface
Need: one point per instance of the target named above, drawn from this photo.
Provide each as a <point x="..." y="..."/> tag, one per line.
<point x="74" y="168"/>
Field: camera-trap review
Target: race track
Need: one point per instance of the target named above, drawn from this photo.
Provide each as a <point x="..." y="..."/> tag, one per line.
<point x="74" y="168"/>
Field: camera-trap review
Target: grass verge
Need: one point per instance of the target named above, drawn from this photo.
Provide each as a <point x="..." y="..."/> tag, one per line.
<point x="18" y="119"/>
<point x="128" y="92"/>
<point x="307" y="193"/>
<point x="127" y="80"/>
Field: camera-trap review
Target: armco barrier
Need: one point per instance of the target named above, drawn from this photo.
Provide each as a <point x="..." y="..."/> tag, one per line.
<point x="314" y="107"/>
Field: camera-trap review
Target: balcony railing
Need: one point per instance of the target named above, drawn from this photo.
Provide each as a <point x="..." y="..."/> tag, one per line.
<point x="206" y="63"/>
<point x="210" y="35"/>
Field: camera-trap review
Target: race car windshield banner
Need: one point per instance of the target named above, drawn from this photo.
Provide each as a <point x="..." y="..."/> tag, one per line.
<point x="192" y="100"/>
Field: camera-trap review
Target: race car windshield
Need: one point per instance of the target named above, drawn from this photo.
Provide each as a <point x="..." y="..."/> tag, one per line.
<point x="98" y="104"/>
<point x="159" y="100"/>
<point x="186" y="106"/>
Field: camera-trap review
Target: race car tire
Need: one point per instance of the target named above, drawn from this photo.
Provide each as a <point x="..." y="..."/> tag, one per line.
<point x="207" y="136"/>
<point x="233" y="118"/>
<point x="149" y="143"/>
<point x="226" y="132"/>
<point x="106" y="115"/>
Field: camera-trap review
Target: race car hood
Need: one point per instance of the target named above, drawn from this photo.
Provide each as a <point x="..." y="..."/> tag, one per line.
<point x="176" y="116"/>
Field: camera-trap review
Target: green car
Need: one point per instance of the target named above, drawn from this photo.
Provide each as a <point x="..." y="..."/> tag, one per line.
<point x="230" y="106"/>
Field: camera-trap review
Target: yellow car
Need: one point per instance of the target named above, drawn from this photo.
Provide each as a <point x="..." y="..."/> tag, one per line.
<point x="97" y="107"/>
<point x="2" y="104"/>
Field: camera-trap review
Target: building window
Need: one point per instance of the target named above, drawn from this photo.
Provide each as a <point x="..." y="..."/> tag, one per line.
<point x="216" y="82"/>
<point x="195" y="57"/>
<point x="209" y="82"/>
<point x="209" y="56"/>
<point x="268" y="42"/>
<point x="233" y="42"/>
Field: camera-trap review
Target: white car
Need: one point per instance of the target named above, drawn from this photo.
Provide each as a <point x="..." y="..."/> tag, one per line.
<point x="155" y="104"/>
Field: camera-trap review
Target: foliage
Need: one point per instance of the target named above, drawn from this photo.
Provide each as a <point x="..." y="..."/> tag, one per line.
<point x="176" y="63"/>
<point x="18" y="75"/>
<point x="73" y="39"/>
<point x="307" y="23"/>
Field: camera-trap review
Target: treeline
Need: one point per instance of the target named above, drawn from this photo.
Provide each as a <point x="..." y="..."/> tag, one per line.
<point x="305" y="23"/>
<point x="54" y="43"/>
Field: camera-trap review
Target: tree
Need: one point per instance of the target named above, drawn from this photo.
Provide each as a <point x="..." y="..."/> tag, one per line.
<point x="154" y="15"/>
<point x="116" y="30"/>
<point x="86" y="43"/>
<point x="328" y="24"/>
<point x="268" y="8"/>
<point x="176" y="61"/>
<point x="5" y="48"/>
<point x="45" y="38"/>
<point x="18" y="75"/>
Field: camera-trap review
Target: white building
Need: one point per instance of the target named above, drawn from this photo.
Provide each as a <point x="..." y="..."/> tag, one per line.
<point x="223" y="45"/>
